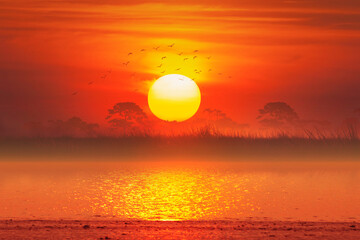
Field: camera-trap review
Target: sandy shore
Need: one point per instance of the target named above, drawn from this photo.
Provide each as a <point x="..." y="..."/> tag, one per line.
<point x="70" y="229"/>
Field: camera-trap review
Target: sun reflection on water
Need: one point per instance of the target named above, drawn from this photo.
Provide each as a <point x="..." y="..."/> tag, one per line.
<point x="173" y="194"/>
<point x="167" y="191"/>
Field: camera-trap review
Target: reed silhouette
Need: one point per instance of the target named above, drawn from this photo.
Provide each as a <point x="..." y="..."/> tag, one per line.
<point x="200" y="143"/>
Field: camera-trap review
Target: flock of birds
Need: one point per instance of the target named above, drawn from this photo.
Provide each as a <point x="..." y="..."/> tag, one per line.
<point x="103" y="77"/>
<point x="161" y="65"/>
<point x="165" y="57"/>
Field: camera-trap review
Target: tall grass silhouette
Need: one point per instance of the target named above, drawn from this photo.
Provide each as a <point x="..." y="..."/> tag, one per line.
<point x="205" y="142"/>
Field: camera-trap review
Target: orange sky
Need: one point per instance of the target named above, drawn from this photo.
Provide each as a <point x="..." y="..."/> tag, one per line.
<point x="305" y="53"/>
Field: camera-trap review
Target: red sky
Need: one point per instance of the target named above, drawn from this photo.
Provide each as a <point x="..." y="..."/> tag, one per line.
<point x="305" y="53"/>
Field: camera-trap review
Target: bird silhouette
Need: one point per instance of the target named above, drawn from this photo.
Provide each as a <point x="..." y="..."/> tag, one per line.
<point x="156" y="48"/>
<point x="91" y="82"/>
<point x="109" y="71"/>
<point x="103" y="76"/>
<point x="163" y="58"/>
<point x="208" y="57"/>
<point x="159" y="66"/>
<point x="194" y="57"/>
<point x="142" y="50"/>
<point x="177" y="69"/>
<point x="130" y="53"/>
<point x="195" y="51"/>
<point x="171" y="45"/>
<point x="180" y="53"/>
<point x="186" y="59"/>
<point x="126" y="63"/>
<point x="74" y="93"/>
<point x="210" y="70"/>
<point x="163" y="71"/>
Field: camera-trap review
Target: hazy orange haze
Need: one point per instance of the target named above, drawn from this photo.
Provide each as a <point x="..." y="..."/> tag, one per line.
<point x="305" y="53"/>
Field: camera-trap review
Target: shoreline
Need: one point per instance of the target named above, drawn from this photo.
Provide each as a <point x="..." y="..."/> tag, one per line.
<point x="190" y="229"/>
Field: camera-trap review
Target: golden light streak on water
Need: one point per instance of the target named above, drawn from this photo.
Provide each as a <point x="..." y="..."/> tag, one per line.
<point x="169" y="191"/>
<point x="174" y="194"/>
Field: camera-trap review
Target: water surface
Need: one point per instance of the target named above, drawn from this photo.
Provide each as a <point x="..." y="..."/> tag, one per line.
<point x="181" y="190"/>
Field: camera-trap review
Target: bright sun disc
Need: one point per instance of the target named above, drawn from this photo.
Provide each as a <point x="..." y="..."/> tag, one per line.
<point x="174" y="97"/>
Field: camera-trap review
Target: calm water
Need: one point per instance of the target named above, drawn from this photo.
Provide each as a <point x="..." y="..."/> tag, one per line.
<point x="328" y="191"/>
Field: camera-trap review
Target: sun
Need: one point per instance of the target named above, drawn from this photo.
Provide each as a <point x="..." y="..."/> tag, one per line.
<point x="174" y="97"/>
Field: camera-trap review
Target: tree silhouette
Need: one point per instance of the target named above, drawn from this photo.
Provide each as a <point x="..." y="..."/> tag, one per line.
<point x="74" y="126"/>
<point x="275" y="114"/>
<point x="126" y="115"/>
<point x="214" y="114"/>
<point x="220" y="120"/>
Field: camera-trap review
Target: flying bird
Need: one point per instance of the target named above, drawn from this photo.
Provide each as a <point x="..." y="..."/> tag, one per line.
<point x="156" y="48"/>
<point x="177" y="69"/>
<point x="159" y="66"/>
<point x="103" y="76"/>
<point x="126" y="63"/>
<point x="180" y="53"/>
<point x="74" y="93"/>
<point x="210" y="70"/>
<point x="186" y="59"/>
<point x="142" y="50"/>
<point x="163" y="58"/>
<point x="194" y="57"/>
<point x="208" y="57"/>
<point x="130" y="53"/>
<point x="91" y="82"/>
<point x="195" y="51"/>
<point x="171" y="45"/>
<point x="163" y="71"/>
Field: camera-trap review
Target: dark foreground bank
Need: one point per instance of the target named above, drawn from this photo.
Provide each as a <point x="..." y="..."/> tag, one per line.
<point x="70" y="229"/>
